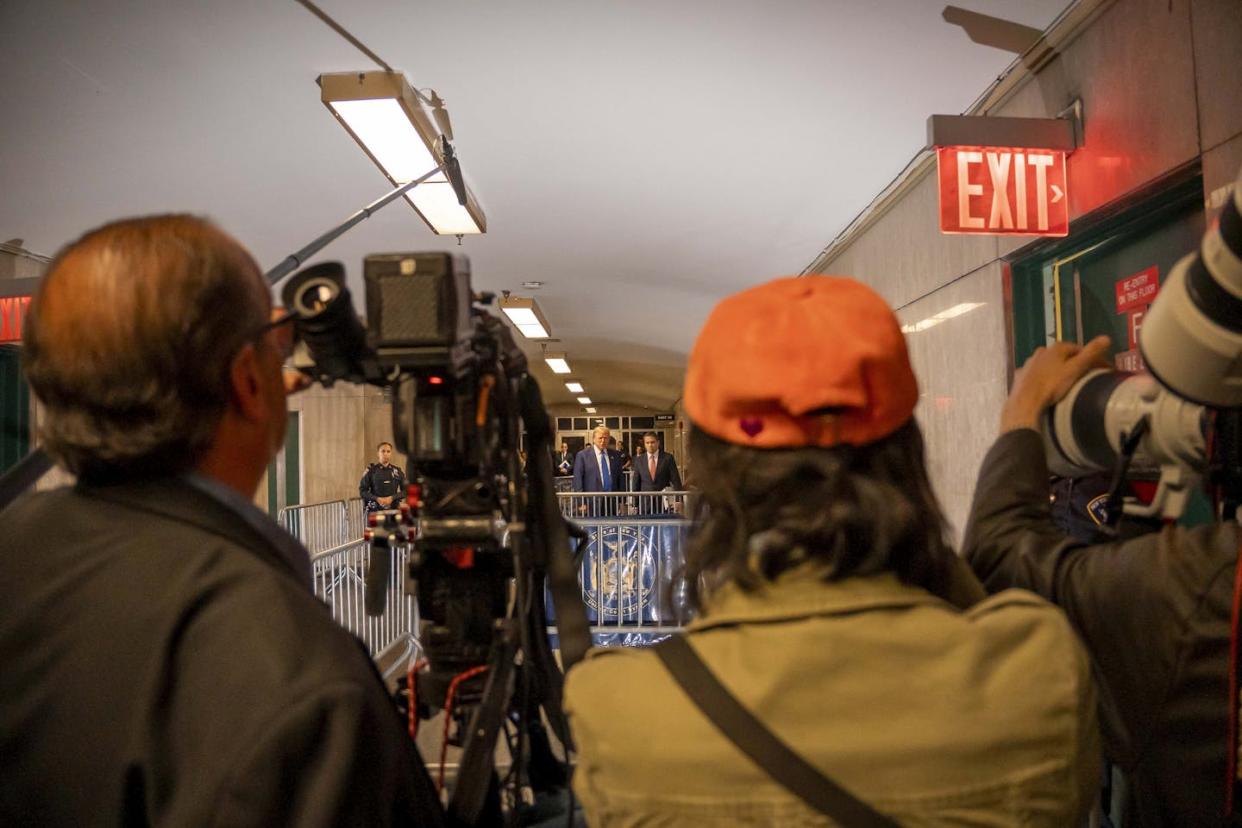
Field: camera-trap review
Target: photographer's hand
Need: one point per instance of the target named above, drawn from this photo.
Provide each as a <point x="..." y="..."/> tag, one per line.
<point x="1046" y="377"/>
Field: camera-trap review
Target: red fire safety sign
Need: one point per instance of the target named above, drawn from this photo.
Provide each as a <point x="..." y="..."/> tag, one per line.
<point x="1002" y="192"/>
<point x="12" y="314"/>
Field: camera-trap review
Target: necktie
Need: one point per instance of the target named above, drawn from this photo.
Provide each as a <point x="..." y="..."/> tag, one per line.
<point x="651" y="465"/>
<point x="604" y="477"/>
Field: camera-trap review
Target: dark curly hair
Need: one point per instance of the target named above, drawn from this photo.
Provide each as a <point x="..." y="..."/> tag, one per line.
<point x="856" y="510"/>
<point x="129" y="340"/>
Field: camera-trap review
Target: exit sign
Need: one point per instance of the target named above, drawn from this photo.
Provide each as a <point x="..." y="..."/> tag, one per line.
<point x="12" y="315"/>
<point x="1002" y="192"/>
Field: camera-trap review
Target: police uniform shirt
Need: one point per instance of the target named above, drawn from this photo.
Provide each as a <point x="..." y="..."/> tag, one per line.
<point x="382" y="481"/>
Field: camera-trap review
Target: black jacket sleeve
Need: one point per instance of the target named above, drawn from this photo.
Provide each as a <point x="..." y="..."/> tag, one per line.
<point x="366" y="490"/>
<point x="1134" y="603"/>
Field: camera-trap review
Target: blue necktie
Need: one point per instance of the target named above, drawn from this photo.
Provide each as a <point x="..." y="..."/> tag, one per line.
<point x="605" y="477"/>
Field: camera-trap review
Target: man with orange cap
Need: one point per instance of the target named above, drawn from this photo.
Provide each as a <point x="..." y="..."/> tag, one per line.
<point x="849" y="637"/>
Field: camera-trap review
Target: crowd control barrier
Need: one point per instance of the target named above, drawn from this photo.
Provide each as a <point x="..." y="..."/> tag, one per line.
<point x="338" y="576"/>
<point x="319" y="526"/>
<point x="631" y="568"/>
<point x="587" y="506"/>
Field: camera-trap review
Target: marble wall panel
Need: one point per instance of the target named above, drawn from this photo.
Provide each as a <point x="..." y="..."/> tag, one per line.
<point x="333" y="435"/>
<point x="1217" y="29"/>
<point x="1134" y="70"/>
<point x="1220" y="174"/>
<point x="962" y="367"/>
<point x="905" y="256"/>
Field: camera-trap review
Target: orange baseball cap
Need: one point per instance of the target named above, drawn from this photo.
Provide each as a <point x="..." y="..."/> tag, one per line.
<point x="810" y="361"/>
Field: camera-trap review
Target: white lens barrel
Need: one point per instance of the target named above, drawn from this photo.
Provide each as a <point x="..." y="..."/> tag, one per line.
<point x="1191" y="339"/>
<point x="1083" y="433"/>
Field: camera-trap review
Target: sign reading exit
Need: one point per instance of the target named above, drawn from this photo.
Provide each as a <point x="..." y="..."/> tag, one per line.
<point x="1002" y="192"/>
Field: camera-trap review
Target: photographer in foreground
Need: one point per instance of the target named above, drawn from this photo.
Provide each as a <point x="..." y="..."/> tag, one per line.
<point x="831" y="607"/>
<point x="164" y="659"/>
<point x="1154" y="611"/>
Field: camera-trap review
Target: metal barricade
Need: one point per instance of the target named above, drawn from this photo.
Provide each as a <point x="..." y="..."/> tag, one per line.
<point x="319" y="526"/>
<point x="339" y="581"/>
<point x="586" y="506"/>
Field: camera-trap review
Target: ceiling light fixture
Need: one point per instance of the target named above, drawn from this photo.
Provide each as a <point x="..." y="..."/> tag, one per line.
<point x="584" y="400"/>
<point x="590" y="411"/>
<point x="557" y="362"/>
<point x="575" y="387"/>
<point x="526" y="316"/>
<point x="944" y="315"/>
<point x="386" y="117"/>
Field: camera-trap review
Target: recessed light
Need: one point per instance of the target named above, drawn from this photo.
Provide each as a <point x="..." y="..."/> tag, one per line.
<point x="532" y="285"/>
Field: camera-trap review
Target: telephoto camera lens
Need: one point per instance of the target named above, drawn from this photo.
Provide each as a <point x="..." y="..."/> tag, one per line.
<point x="1192" y="336"/>
<point x="1084" y="431"/>
<point x="326" y="321"/>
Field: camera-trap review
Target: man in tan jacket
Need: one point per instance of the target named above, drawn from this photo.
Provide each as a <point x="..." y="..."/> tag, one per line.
<point x="831" y="607"/>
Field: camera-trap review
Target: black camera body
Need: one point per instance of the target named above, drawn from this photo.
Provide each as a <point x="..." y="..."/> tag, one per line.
<point x="482" y="532"/>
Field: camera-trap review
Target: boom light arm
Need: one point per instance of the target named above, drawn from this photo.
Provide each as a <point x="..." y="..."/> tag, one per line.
<point x="386" y="117"/>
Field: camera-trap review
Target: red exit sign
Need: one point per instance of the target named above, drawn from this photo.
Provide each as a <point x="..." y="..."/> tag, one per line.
<point x="1002" y="192"/>
<point x="12" y="314"/>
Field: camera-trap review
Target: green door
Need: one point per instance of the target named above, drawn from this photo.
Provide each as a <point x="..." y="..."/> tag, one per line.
<point x="1073" y="292"/>
<point x="292" y="460"/>
<point x="1082" y="288"/>
<point x="14" y="408"/>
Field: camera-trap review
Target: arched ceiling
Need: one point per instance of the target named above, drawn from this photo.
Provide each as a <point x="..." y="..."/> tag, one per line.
<point x="641" y="158"/>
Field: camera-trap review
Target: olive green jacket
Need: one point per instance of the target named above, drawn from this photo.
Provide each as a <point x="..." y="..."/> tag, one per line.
<point x="931" y="714"/>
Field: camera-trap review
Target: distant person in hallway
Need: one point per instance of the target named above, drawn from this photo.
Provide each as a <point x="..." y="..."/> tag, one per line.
<point x="655" y="470"/>
<point x="165" y="661"/>
<point x="831" y="606"/>
<point x="382" y="483"/>
<point x="565" y="460"/>
<point x="597" y="468"/>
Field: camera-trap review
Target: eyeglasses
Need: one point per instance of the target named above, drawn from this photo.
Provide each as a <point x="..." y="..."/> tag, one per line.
<point x="288" y="337"/>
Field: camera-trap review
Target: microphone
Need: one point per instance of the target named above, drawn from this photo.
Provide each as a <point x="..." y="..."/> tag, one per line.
<point x="452" y="168"/>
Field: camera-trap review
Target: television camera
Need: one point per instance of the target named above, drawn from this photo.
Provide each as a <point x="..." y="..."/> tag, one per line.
<point x="483" y="533"/>
<point x="1181" y="421"/>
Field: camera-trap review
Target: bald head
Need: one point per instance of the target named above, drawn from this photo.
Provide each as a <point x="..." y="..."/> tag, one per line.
<point x="129" y="340"/>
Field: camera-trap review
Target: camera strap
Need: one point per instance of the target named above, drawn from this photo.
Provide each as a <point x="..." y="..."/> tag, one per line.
<point x="1233" y="796"/>
<point x="765" y="749"/>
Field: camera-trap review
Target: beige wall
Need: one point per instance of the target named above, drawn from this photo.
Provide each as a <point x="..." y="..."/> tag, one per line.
<point x="1160" y="89"/>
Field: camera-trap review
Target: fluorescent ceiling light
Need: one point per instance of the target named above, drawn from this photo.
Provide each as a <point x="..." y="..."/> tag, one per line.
<point x="584" y="400"/>
<point x="526" y="316"/>
<point x="575" y="387"/>
<point x="557" y="363"/>
<point x="590" y="411"/>
<point x="944" y="315"/>
<point x="385" y="116"/>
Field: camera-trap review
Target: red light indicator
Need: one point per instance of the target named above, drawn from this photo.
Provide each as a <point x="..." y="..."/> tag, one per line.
<point x="435" y="380"/>
<point x="997" y="191"/>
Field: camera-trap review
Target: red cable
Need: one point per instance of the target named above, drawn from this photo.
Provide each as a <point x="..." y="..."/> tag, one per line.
<point x="448" y="715"/>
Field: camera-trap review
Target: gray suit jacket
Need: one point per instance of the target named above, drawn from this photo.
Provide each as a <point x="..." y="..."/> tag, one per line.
<point x="164" y="663"/>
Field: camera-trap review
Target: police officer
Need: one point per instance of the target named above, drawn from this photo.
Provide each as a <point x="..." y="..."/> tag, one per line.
<point x="382" y="483"/>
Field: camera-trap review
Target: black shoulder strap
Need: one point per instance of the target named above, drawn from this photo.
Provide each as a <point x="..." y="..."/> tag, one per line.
<point x="760" y="744"/>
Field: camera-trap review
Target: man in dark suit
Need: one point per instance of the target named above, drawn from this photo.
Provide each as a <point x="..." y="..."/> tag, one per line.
<point x="220" y="689"/>
<point x="598" y="469"/>
<point x="654" y="471"/>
